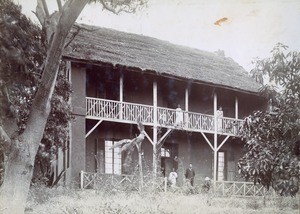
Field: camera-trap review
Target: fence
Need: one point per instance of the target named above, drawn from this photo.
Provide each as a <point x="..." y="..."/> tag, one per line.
<point x="245" y="189"/>
<point x="99" y="181"/>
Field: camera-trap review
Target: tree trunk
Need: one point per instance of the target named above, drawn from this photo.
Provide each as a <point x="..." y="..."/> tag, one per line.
<point x="17" y="178"/>
<point x="141" y="180"/>
<point x="20" y="162"/>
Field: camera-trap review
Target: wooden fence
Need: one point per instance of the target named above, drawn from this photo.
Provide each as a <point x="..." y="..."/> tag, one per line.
<point x="245" y="189"/>
<point x="98" y="181"/>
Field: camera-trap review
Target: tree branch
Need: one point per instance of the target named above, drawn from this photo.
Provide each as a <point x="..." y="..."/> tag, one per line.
<point x="4" y="137"/>
<point x="59" y="5"/>
<point x="45" y="7"/>
<point x="120" y="143"/>
<point x="73" y="35"/>
<point x="40" y="108"/>
<point x="109" y="8"/>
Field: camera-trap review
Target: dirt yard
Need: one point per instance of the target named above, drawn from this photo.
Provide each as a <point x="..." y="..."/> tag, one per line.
<point x="62" y="200"/>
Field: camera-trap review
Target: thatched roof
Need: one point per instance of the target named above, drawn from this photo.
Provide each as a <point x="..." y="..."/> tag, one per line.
<point x="103" y="45"/>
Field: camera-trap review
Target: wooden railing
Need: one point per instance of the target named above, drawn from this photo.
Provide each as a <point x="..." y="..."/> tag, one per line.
<point x="170" y="118"/>
<point x="91" y="180"/>
<point x="245" y="189"/>
<point x="100" y="181"/>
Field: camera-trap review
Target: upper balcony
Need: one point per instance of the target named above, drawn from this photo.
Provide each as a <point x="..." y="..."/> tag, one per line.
<point x="125" y="112"/>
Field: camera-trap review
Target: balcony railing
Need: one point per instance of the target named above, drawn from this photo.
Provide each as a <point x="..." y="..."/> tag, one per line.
<point x="169" y="118"/>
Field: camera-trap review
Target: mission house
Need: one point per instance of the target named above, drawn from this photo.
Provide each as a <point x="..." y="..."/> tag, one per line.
<point x="176" y="92"/>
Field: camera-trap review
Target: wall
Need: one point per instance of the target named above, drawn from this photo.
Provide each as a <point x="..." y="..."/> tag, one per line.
<point x="77" y="157"/>
<point x="194" y="149"/>
<point x="138" y="88"/>
<point x="233" y="152"/>
<point x="249" y="103"/>
<point x="103" y="82"/>
<point x="201" y="99"/>
<point x="115" y="131"/>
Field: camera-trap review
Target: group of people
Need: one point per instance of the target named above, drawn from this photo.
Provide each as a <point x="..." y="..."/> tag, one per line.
<point x="189" y="176"/>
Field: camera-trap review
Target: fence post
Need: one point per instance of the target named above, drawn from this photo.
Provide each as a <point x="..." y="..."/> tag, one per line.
<point x="165" y="184"/>
<point x="214" y="186"/>
<point x="223" y="188"/>
<point x="81" y="179"/>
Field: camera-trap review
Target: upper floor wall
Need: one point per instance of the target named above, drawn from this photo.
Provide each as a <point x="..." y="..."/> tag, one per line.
<point x="120" y="84"/>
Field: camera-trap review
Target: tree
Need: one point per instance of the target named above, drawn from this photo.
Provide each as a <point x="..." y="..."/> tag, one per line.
<point x="22" y="146"/>
<point x="272" y="155"/>
<point x="127" y="145"/>
<point x="20" y="78"/>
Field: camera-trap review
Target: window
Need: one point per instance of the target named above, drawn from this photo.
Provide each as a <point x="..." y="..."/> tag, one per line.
<point x="164" y="152"/>
<point x="221" y="166"/>
<point x="113" y="159"/>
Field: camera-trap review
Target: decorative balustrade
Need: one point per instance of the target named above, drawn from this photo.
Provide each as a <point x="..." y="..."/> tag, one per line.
<point x="229" y="125"/>
<point x="98" y="181"/>
<point x="200" y="121"/>
<point x="109" y="182"/>
<point x="245" y="189"/>
<point x="102" y="108"/>
<point x="170" y="118"/>
<point x="134" y="112"/>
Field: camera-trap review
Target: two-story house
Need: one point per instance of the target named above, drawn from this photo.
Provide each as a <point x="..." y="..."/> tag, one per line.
<point x="120" y="78"/>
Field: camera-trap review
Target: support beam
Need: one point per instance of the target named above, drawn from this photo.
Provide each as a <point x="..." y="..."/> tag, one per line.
<point x="186" y="99"/>
<point x="154" y="158"/>
<point x="92" y="129"/>
<point x="148" y="137"/>
<point x="121" y="87"/>
<point x="164" y="136"/>
<point x="185" y="118"/>
<point x="236" y="108"/>
<point x="215" y="138"/>
<point x="161" y="139"/>
<point x="121" y="95"/>
<point x="155" y="103"/>
<point x="224" y="141"/>
<point x="207" y="141"/>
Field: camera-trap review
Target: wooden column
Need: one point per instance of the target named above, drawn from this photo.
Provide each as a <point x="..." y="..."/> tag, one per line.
<point x="215" y="138"/>
<point x="121" y="95"/>
<point x="186" y="99"/>
<point x="155" y="128"/>
<point x="185" y="118"/>
<point x="236" y="108"/>
<point x="121" y="87"/>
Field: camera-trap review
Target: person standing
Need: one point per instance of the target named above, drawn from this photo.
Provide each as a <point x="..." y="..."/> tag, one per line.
<point x="219" y="118"/>
<point x="179" y="117"/>
<point x="173" y="178"/>
<point x="190" y="174"/>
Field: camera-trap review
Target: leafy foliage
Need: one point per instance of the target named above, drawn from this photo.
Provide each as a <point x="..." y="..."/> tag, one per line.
<point x="272" y="150"/>
<point x="22" y="54"/>
<point x="127" y="6"/>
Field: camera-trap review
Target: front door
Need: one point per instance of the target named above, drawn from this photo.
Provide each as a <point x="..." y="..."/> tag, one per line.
<point x="168" y="153"/>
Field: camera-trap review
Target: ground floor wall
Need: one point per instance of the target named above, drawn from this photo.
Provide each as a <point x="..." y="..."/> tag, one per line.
<point x="180" y="148"/>
<point x="99" y="154"/>
<point x="77" y="149"/>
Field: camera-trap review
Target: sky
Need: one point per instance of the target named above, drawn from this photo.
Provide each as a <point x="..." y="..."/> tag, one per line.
<point x="244" y="29"/>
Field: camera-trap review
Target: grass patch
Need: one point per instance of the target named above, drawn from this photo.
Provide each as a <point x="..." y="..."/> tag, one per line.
<point x="63" y="200"/>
